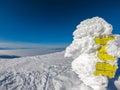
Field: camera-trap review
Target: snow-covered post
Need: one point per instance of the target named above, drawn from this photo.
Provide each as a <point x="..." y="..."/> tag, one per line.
<point x="84" y="51"/>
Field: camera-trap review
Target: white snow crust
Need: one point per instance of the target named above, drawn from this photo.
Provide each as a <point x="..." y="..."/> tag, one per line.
<point x="44" y="72"/>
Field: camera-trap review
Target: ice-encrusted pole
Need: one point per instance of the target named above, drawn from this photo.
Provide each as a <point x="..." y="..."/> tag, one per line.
<point x="84" y="51"/>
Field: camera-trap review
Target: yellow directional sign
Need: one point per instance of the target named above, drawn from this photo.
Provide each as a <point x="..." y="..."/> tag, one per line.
<point x="103" y="55"/>
<point x="103" y="39"/>
<point x="104" y="68"/>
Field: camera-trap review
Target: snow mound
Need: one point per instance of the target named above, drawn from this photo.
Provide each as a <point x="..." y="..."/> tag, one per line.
<point x="84" y="51"/>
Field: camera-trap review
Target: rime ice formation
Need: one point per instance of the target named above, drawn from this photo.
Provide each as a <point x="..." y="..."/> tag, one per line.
<point x="84" y="51"/>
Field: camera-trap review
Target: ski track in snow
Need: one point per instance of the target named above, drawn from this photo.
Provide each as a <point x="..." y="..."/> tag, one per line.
<point x="44" y="72"/>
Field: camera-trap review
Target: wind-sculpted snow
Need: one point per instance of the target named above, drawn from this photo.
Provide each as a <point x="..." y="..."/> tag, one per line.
<point x="84" y="51"/>
<point x="45" y="72"/>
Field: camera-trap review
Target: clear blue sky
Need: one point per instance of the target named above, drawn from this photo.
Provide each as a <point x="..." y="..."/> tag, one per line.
<point x="51" y="21"/>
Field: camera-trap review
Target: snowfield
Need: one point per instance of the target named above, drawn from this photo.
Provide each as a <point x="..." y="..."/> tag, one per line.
<point x="44" y="72"/>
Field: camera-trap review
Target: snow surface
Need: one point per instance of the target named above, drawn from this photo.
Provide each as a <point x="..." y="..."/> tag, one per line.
<point x="44" y="72"/>
<point x="84" y="51"/>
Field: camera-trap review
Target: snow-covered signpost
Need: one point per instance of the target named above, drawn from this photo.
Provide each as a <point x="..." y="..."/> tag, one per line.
<point x="95" y="51"/>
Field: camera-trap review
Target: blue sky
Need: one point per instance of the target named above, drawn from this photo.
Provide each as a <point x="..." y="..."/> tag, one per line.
<point x="51" y="21"/>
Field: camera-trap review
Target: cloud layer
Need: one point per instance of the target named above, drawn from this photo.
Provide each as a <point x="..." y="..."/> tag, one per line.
<point x="28" y="49"/>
